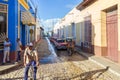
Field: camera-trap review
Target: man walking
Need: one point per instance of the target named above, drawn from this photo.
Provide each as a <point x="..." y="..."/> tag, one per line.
<point x="7" y="45"/>
<point x="19" y="49"/>
<point x="30" y="59"/>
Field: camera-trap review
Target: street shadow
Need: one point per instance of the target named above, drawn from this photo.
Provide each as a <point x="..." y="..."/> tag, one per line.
<point x="89" y="75"/>
<point x="18" y="78"/>
<point x="11" y="69"/>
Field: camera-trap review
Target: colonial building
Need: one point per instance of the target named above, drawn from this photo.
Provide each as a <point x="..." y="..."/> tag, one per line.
<point x="17" y="20"/>
<point x="95" y="24"/>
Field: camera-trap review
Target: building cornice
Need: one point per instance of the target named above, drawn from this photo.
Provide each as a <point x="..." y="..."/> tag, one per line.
<point x="84" y="4"/>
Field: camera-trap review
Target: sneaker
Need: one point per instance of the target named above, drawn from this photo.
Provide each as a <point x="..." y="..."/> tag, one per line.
<point x="16" y="62"/>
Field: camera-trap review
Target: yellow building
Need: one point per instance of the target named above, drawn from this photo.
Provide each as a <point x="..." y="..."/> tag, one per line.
<point x="97" y="28"/>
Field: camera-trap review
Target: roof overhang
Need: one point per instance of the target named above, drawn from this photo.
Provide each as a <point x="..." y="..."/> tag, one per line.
<point x="84" y="4"/>
<point x="28" y="19"/>
<point x="24" y="4"/>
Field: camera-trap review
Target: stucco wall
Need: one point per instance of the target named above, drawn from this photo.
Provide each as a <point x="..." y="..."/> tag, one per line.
<point x="98" y="19"/>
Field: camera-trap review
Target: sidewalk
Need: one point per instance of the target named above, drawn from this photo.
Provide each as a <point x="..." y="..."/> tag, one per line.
<point x="43" y="49"/>
<point x="11" y="66"/>
<point x="8" y="67"/>
<point x="101" y="61"/>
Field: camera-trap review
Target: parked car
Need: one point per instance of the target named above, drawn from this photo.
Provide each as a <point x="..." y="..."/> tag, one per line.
<point x="53" y="40"/>
<point x="69" y="39"/>
<point x="61" y="44"/>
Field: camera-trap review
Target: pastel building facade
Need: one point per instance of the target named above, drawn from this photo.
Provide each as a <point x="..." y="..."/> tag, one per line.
<point x="95" y="26"/>
<point x="17" y="20"/>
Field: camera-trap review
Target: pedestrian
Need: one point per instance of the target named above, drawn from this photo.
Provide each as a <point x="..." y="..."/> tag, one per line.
<point x="7" y="45"/>
<point x="19" y="50"/>
<point x="30" y="59"/>
<point x="70" y="46"/>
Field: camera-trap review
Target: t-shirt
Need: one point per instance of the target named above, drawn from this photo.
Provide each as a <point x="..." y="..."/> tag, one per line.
<point x="18" y="46"/>
<point x="6" y="48"/>
<point x="31" y="55"/>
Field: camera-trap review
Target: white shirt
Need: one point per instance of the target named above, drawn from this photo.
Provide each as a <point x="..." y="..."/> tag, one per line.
<point x="31" y="53"/>
<point x="18" y="46"/>
<point x="6" y="48"/>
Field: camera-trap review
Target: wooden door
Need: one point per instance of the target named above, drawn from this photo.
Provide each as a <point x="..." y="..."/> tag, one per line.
<point x="112" y="35"/>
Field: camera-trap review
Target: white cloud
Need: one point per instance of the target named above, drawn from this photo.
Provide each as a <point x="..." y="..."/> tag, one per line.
<point x="49" y="23"/>
<point x="70" y="6"/>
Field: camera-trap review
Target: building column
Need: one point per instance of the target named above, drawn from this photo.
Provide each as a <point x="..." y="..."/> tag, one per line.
<point x="103" y="34"/>
<point x="119" y="32"/>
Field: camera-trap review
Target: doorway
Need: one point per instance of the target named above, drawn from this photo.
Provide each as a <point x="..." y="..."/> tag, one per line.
<point x="112" y="33"/>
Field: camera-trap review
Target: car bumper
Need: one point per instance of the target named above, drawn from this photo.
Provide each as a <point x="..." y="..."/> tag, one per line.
<point x="61" y="47"/>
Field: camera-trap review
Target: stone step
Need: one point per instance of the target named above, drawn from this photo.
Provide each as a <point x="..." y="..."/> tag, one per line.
<point x="9" y="67"/>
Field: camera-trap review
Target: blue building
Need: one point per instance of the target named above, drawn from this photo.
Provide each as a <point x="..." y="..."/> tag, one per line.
<point x="16" y="21"/>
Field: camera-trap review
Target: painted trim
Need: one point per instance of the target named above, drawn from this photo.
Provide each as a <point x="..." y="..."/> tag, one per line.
<point x="24" y="4"/>
<point x="18" y="21"/>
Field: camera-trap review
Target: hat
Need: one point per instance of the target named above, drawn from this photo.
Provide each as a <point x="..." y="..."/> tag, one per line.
<point x="30" y="44"/>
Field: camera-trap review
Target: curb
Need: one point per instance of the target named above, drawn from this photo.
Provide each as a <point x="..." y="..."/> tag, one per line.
<point x="113" y="69"/>
<point x="10" y="69"/>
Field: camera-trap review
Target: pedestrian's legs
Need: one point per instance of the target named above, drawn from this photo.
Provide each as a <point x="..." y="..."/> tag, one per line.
<point x="5" y="55"/>
<point x="26" y="72"/>
<point x="8" y="54"/>
<point x="19" y="56"/>
<point x="35" y="69"/>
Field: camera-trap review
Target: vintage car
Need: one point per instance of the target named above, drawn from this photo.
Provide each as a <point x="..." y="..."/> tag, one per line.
<point x="53" y="40"/>
<point x="61" y="44"/>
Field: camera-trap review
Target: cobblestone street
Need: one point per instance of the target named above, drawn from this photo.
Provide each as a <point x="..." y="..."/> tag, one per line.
<point x="66" y="67"/>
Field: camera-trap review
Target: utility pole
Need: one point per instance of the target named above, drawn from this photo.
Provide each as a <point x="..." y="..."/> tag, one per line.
<point x="35" y="22"/>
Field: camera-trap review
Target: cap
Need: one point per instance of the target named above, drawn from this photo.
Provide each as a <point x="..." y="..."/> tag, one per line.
<point x="30" y="44"/>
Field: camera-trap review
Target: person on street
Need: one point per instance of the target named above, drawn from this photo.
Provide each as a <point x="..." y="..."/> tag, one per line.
<point x="7" y="45"/>
<point x="30" y="59"/>
<point x="19" y="50"/>
<point x="70" y="46"/>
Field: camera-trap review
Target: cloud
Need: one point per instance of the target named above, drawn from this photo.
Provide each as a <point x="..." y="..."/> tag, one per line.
<point x="49" y="23"/>
<point x="70" y="6"/>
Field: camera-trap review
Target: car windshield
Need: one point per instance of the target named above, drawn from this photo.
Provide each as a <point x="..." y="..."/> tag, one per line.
<point x="60" y="41"/>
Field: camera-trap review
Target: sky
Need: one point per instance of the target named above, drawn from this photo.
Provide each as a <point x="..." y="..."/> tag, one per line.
<point x="51" y="11"/>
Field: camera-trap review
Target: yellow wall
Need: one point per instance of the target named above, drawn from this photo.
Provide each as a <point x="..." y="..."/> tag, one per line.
<point x="78" y="33"/>
<point x="24" y="4"/>
<point x="70" y="30"/>
<point x="98" y="19"/>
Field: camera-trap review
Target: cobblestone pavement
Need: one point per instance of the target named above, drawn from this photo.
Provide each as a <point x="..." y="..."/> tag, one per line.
<point x="43" y="49"/>
<point x="67" y="68"/>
